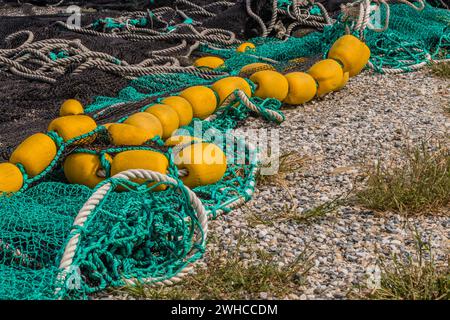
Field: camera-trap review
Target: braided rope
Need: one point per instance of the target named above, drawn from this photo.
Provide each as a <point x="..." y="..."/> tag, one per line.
<point x="18" y="61"/>
<point x="244" y="98"/>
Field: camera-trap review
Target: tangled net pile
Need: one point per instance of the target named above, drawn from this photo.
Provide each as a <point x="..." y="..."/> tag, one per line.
<point x="121" y="238"/>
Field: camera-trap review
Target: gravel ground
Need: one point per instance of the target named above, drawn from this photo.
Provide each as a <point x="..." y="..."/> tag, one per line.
<point x="373" y="117"/>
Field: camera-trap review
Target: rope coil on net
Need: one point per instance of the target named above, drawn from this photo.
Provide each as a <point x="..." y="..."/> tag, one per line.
<point x="32" y="60"/>
<point x="196" y="223"/>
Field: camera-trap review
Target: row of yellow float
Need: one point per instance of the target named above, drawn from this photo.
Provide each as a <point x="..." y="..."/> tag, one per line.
<point x="346" y="58"/>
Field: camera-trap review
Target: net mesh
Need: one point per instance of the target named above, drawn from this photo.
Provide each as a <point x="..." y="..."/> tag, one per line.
<point x="144" y="235"/>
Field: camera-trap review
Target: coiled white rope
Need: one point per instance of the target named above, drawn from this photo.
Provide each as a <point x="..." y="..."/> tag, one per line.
<point x="32" y="60"/>
<point x="90" y="205"/>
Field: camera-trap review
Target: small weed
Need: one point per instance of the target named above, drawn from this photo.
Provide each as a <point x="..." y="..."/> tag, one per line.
<point x="441" y="70"/>
<point x="417" y="277"/>
<point x="421" y="185"/>
<point x="229" y="277"/>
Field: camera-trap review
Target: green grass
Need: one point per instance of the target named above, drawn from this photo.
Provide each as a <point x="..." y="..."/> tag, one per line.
<point x="441" y="70"/>
<point x="289" y="162"/>
<point x="290" y="213"/>
<point x="420" y="186"/>
<point x="231" y="278"/>
<point x="417" y="277"/>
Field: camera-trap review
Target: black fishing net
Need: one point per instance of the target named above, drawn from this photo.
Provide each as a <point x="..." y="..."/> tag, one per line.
<point x="27" y="105"/>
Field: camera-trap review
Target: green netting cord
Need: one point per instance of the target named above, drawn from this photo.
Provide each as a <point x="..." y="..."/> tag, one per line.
<point x="111" y="23"/>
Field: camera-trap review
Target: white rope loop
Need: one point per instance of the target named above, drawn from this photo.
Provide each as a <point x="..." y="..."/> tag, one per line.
<point x="97" y="197"/>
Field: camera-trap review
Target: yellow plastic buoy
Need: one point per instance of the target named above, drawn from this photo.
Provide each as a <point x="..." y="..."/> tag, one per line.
<point x="226" y="86"/>
<point x="182" y="107"/>
<point x="71" y="107"/>
<point x="84" y="169"/>
<point x="140" y="159"/>
<point x="205" y="164"/>
<point x="255" y="67"/>
<point x="302" y="88"/>
<point x="209" y="62"/>
<point x="202" y="99"/>
<point x="351" y="52"/>
<point x="245" y="46"/>
<point x="180" y="140"/>
<point x="35" y="153"/>
<point x="167" y="116"/>
<point x="329" y="75"/>
<point x="146" y="121"/>
<point x="344" y="81"/>
<point x="69" y="127"/>
<point x="271" y="84"/>
<point x="11" y="178"/>
<point x="123" y="134"/>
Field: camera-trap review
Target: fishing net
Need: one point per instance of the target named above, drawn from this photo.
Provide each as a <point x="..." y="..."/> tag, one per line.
<point x="126" y="232"/>
<point x="135" y="236"/>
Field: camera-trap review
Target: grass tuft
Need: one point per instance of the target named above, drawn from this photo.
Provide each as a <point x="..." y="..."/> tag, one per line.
<point x="229" y="277"/>
<point x="291" y="214"/>
<point x="441" y="70"/>
<point x="289" y="162"/>
<point x="417" y="277"/>
<point x="421" y="185"/>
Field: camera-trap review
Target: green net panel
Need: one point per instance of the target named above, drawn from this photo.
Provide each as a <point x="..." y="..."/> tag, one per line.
<point x="411" y="36"/>
<point x="134" y="234"/>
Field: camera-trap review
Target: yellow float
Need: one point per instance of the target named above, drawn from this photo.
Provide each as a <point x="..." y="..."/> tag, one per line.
<point x="83" y="168"/>
<point x="123" y="134"/>
<point x="69" y="127"/>
<point x="245" y="46"/>
<point x="35" y="153"/>
<point x="202" y="99"/>
<point x="11" y="178"/>
<point x="182" y="107"/>
<point x="209" y="62"/>
<point x="226" y="86"/>
<point x="71" y="107"/>
<point x="254" y="67"/>
<point x="147" y="122"/>
<point x="351" y="52"/>
<point x="167" y="116"/>
<point x="140" y="159"/>
<point x="205" y="164"/>
<point x="271" y="84"/>
<point x="302" y="88"/>
<point x="328" y="74"/>
<point x="180" y="140"/>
